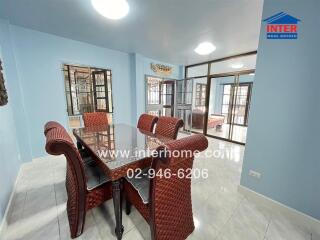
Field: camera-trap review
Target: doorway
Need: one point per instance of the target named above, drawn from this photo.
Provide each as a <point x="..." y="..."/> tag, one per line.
<point x="221" y="96"/>
<point x="160" y="96"/>
<point x="229" y="107"/>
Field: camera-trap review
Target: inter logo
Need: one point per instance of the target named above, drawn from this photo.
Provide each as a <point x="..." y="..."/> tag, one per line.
<point x="282" y="26"/>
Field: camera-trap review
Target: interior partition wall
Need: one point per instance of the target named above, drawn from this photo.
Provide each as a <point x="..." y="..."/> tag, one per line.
<point x="221" y="96"/>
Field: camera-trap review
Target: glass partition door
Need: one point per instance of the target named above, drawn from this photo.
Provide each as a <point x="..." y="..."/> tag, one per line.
<point x="220" y="106"/>
<point x="183" y="104"/>
<point x="241" y="107"/>
<point x="160" y="96"/>
<point x="199" y="109"/>
<point x="229" y="104"/>
<point x="228" y="84"/>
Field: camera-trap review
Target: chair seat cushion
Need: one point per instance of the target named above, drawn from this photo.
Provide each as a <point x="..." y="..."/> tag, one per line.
<point x="95" y="176"/>
<point x="141" y="184"/>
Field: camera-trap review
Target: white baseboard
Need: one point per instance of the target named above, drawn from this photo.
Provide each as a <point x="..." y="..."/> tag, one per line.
<point x="3" y="225"/>
<point x="308" y="222"/>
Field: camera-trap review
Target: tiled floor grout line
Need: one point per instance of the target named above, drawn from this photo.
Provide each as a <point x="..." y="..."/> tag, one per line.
<point x="57" y="210"/>
<point x="229" y="219"/>
<point x="265" y="234"/>
<point x="94" y="219"/>
<point x="24" y="200"/>
<point x="134" y="227"/>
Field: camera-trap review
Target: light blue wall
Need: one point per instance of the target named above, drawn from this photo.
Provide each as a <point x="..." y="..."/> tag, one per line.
<point x="283" y="135"/>
<point x="12" y="148"/>
<point x="143" y="68"/>
<point x="39" y="58"/>
<point x="16" y="96"/>
<point x="39" y="62"/>
<point x="33" y="69"/>
<point x="10" y="154"/>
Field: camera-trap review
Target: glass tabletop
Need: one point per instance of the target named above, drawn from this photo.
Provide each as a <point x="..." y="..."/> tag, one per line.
<point x="119" y="144"/>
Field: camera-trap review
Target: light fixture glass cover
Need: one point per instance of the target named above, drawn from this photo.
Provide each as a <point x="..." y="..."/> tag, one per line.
<point x="205" y="48"/>
<point x="237" y="65"/>
<point x="112" y="9"/>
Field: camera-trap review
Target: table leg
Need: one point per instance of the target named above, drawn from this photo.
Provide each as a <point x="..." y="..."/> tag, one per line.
<point x="116" y="192"/>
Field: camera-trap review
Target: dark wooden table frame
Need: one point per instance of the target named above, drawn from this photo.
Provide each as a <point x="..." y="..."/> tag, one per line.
<point x="116" y="193"/>
<point x="116" y="176"/>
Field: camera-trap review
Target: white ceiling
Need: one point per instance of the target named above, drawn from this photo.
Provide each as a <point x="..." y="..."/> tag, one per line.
<point x="166" y="30"/>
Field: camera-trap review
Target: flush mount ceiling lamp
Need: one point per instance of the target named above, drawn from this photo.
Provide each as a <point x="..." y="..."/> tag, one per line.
<point x="112" y="9"/>
<point x="205" y="48"/>
<point x="237" y="65"/>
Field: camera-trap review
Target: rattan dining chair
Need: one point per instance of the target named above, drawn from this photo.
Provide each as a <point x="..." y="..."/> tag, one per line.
<point x="51" y="124"/>
<point x="95" y="119"/>
<point x="146" y="122"/>
<point x="168" y="127"/>
<point x="87" y="186"/>
<point x="165" y="202"/>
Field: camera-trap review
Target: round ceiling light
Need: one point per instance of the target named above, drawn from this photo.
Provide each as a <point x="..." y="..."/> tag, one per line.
<point x="205" y="48"/>
<point x="237" y="65"/>
<point x="112" y="9"/>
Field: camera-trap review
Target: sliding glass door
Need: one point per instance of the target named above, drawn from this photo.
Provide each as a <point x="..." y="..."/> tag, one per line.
<point x="184" y="101"/>
<point x="241" y="107"/>
<point x="199" y="90"/>
<point x="229" y="104"/>
<point x="222" y="95"/>
<point x="220" y="100"/>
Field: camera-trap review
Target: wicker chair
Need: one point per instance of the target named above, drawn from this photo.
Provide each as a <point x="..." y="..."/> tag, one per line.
<point x="168" y="127"/>
<point x="87" y="187"/>
<point x="146" y="122"/>
<point x="50" y="125"/>
<point x="95" y="119"/>
<point x="165" y="203"/>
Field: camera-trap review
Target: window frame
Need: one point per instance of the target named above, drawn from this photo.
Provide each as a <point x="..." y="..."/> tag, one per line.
<point x="200" y="99"/>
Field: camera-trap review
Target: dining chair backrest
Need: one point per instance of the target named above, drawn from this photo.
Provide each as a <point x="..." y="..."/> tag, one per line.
<point x="168" y="127"/>
<point x="95" y="119"/>
<point x="59" y="142"/>
<point x="51" y="124"/>
<point x="170" y="197"/>
<point x="146" y="122"/>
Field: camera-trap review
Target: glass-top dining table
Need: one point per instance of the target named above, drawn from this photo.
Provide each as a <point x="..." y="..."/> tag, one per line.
<point x="117" y="148"/>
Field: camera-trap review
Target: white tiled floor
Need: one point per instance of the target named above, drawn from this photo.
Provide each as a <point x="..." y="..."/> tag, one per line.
<point x="38" y="209"/>
<point x="239" y="132"/>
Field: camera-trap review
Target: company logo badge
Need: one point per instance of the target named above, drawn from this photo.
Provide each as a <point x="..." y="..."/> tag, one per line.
<point x="282" y="26"/>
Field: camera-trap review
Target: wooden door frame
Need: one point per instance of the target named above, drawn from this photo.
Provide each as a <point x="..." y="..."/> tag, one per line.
<point x="106" y="97"/>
